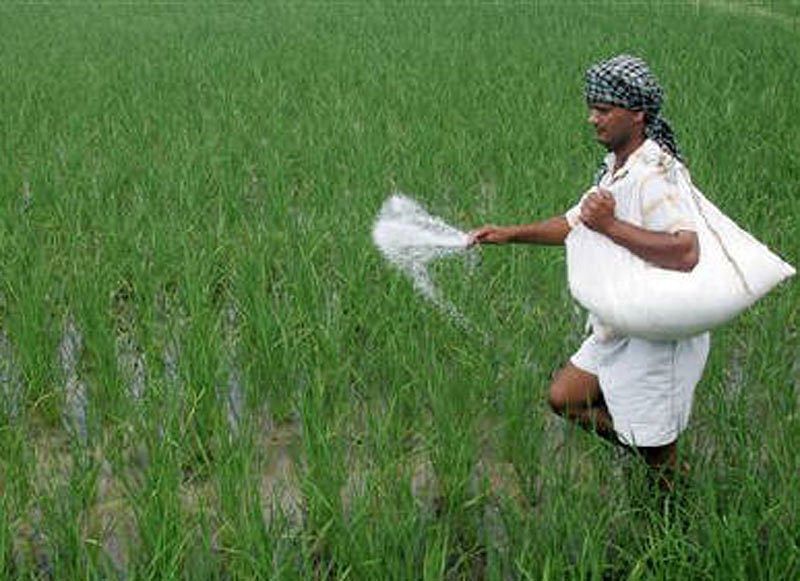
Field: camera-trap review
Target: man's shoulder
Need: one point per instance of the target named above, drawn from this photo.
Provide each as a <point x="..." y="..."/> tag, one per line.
<point x="656" y="169"/>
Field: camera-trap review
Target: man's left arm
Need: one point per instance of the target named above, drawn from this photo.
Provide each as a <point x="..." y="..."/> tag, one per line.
<point x="674" y="251"/>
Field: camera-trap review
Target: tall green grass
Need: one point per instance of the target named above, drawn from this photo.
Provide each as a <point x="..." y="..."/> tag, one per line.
<point x="167" y="165"/>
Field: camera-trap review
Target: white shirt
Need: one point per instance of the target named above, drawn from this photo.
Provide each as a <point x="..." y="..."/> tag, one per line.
<point x="643" y="192"/>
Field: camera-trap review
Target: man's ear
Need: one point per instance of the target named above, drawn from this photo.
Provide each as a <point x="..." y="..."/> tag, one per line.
<point x="638" y="117"/>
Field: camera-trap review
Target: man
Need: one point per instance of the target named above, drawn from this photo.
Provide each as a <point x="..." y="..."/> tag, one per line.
<point x="629" y="390"/>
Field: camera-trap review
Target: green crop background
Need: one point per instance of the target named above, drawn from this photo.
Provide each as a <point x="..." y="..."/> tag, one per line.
<point x="208" y="371"/>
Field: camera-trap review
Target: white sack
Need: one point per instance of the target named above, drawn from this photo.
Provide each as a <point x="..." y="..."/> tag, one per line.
<point x="633" y="297"/>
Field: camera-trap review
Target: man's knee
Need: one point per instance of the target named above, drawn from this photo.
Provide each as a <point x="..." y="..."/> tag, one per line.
<point x="557" y="398"/>
<point x="573" y="387"/>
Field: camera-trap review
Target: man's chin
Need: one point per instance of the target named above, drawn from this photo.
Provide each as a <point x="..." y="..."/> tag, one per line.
<point x="603" y="142"/>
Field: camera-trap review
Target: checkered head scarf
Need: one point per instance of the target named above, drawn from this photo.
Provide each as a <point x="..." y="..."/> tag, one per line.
<point x="626" y="81"/>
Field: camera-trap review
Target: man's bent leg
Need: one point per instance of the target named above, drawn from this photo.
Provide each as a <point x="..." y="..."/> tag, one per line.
<point x="575" y="394"/>
<point x="663" y="463"/>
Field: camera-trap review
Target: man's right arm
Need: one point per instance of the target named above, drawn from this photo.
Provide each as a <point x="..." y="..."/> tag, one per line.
<point x="551" y="232"/>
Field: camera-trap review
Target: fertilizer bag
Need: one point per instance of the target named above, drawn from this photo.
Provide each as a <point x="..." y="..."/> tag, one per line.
<point x="633" y="297"/>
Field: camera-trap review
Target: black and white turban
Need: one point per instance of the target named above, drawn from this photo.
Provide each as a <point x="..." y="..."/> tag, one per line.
<point x="626" y="81"/>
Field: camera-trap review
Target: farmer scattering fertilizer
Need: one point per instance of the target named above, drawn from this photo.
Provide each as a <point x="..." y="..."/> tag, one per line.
<point x="655" y="264"/>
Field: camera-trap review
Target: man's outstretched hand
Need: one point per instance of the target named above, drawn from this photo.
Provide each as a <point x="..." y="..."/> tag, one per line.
<point x="489" y="235"/>
<point x="551" y="231"/>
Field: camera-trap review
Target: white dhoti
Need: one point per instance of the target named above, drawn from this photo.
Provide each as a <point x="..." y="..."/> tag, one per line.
<point x="648" y="386"/>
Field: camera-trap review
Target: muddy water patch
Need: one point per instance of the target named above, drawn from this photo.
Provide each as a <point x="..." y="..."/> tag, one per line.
<point x="52" y="466"/>
<point x="11" y="383"/>
<point x="281" y="495"/>
<point x="232" y="392"/>
<point x="130" y="356"/>
<point x="30" y="547"/>
<point x="76" y="403"/>
<point x="111" y="522"/>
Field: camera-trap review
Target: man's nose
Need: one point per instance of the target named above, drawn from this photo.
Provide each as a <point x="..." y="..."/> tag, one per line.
<point x="592" y="117"/>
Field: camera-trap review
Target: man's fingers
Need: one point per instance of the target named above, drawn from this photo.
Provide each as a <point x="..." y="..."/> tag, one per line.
<point x="603" y="193"/>
<point x="479" y="235"/>
<point x="598" y="202"/>
<point x="590" y="206"/>
<point x="603" y="196"/>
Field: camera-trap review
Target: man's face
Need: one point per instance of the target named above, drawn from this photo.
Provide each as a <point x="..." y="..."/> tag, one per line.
<point x="614" y="125"/>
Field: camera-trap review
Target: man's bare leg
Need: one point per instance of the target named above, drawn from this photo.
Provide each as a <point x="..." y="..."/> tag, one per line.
<point x="663" y="463"/>
<point x="575" y="394"/>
